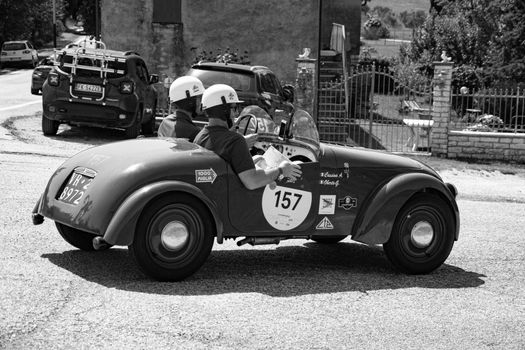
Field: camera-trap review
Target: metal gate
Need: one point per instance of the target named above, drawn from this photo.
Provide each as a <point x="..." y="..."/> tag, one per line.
<point x="382" y="112"/>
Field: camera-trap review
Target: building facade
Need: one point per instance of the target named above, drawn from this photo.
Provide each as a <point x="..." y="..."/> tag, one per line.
<point x="171" y="34"/>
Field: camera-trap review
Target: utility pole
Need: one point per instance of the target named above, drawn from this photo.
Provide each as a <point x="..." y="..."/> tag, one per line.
<point x="97" y="20"/>
<point x="54" y="25"/>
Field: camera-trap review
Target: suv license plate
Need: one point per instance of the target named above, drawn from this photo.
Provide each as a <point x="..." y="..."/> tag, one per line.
<point x="97" y="89"/>
<point x="75" y="189"/>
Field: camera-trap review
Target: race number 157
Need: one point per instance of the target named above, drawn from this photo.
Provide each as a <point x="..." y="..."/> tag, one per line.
<point x="285" y="199"/>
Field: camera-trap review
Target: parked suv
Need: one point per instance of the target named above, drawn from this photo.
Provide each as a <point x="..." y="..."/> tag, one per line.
<point x="99" y="87"/>
<point x="18" y="52"/>
<point x="255" y="85"/>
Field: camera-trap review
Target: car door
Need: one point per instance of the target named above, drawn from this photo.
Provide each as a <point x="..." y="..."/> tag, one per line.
<point x="147" y="90"/>
<point x="280" y="209"/>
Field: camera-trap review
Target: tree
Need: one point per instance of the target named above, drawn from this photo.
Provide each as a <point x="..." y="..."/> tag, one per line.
<point x="28" y="19"/>
<point x="484" y="38"/>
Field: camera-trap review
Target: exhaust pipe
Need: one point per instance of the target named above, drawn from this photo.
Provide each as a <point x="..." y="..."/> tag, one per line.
<point x="100" y="244"/>
<point x="259" y="240"/>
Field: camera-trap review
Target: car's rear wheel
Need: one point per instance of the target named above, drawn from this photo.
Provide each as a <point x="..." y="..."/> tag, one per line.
<point x="174" y="237"/>
<point x="149" y="126"/>
<point x="328" y="239"/>
<point x="77" y="238"/>
<point x="49" y="126"/>
<point x="133" y="131"/>
<point x="422" y="236"/>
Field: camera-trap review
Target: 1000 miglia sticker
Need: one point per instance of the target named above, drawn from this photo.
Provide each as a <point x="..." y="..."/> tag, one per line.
<point x="285" y="208"/>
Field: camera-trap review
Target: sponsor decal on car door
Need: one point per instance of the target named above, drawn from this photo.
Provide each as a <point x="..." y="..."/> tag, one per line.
<point x="287" y="206"/>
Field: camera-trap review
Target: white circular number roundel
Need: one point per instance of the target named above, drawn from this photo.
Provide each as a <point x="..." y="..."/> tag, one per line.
<point x="285" y="208"/>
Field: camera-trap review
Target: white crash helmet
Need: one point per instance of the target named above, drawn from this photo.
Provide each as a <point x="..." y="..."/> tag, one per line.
<point x="185" y="87"/>
<point x="217" y="95"/>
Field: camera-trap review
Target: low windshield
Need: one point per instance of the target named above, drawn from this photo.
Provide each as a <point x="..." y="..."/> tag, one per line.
<point x="303" y="128"/>
<point x="254" y="120"/>
<point x="238" y="81"/>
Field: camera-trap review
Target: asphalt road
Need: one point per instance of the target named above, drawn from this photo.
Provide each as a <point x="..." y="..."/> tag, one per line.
<point x="297" y="295"/>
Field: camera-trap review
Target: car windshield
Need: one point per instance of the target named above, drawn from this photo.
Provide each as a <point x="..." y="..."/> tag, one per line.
<point x="13" y="46"/>
<point x="238" y="81"/>
<point x="254" y="120"/>
<point x="303" y="128"/>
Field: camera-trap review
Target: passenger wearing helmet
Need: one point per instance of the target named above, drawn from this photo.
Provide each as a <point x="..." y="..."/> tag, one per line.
<point x="185" y="97"/>
<point x="218" y="103"/>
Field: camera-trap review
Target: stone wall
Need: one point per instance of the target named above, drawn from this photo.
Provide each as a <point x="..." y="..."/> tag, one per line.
<point x="486" y="146"/>
<point x="274" y="32"/>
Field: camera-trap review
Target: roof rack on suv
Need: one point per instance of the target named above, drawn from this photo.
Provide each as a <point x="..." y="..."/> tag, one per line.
<point x="96" y="55"/>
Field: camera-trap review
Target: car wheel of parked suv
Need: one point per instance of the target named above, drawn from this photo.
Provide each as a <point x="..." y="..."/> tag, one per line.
<point x="49" y="126"/>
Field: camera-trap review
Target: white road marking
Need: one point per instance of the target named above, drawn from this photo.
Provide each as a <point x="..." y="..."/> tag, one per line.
<point x="19" y="106"/>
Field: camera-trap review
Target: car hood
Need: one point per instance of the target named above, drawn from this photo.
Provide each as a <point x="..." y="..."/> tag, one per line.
<point x="370" y="159"/>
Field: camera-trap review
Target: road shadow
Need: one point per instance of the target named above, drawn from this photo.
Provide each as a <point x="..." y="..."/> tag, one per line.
<point x="282" y="272"/>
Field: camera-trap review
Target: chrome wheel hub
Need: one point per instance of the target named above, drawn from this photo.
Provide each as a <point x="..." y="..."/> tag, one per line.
<point x="174" y="235"/>
<point x="422" y="234"/>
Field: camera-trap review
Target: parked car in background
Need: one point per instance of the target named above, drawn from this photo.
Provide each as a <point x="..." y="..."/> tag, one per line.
<point x="255" y="85"/>
<point x="18" y="53"/>
<point x="40" y="74"/>
<point x="102" y="88"/>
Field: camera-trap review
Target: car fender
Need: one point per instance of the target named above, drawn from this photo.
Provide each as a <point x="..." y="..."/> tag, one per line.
<point x="121" y="228"/>
<point x="378" y="216"/>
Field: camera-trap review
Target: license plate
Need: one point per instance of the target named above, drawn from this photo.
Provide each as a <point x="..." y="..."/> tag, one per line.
<point x="75" y="189"/>
<point x="97" y="89"/>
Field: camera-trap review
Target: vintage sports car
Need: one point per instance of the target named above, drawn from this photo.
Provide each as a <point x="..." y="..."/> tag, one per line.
<point x="168" y="200"/>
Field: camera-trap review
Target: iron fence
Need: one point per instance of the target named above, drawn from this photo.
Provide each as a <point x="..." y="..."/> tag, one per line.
<point x="489" y="110"/>
<point x="382" y="112"/>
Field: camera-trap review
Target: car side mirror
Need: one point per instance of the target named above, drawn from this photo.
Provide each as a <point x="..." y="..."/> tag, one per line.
<point x="153" y="78"/>
<point x="289" y="93"/>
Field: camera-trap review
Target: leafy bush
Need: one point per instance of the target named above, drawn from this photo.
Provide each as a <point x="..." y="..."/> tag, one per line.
<point x="413" y="19"/>
<point x="375" y="29"/>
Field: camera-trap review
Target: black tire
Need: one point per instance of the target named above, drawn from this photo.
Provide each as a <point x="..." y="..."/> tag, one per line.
<point x="35" y="91"/>
<point x="328" y="239"/>
<point x="133" y="131"/>
<point x="153" y="255"/>
<point x="149" y="127"/>
<point x="422" y="236"/>
<point x="49" y="126"/>
<point x="77" y="238"/>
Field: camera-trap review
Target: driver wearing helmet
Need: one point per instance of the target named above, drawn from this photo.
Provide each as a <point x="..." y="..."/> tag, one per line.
<point x="185" y="96"/>
<point x="218" y="104"/>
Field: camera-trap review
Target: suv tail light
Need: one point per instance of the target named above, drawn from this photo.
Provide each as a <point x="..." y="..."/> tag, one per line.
<point x="126" y="87"/>
<point x="53" y="79"/>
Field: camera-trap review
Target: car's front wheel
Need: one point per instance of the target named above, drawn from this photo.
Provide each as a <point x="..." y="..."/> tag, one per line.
<point x="422" y="236"/>
<point x="49" y="126"/>
<point x="174" y="237"/>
